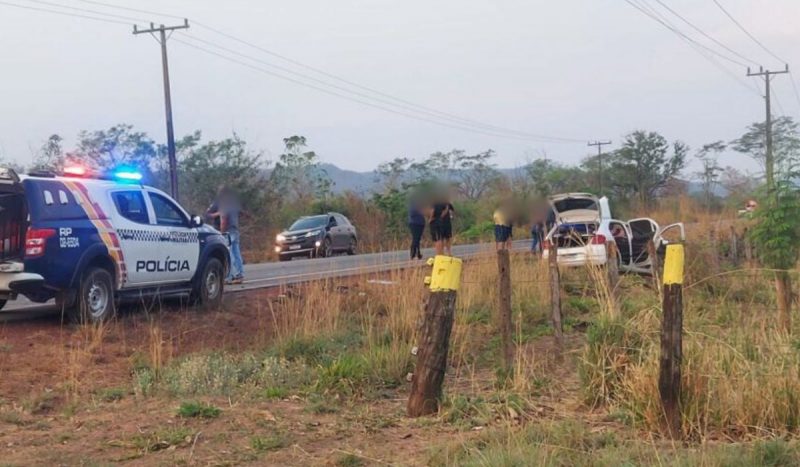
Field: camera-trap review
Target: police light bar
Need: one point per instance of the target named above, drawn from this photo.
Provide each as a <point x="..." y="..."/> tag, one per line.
<point x="75" y="171"/>
<point x="128" y="175"/>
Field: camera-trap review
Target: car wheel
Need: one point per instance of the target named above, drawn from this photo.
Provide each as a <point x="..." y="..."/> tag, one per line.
<point x="95" y="297"/>
<point x="211" y="285"/>
<point x="351" y="250"/>
<point x="327" y="247"/>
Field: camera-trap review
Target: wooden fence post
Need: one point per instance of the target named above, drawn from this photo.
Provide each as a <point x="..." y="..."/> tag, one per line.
<point x="503" y="318"/>
<point x="612" y="267"/>
<point x="712" y="245"/>
<point x="669" y="377"/>
<point x="434" y="339"/>
<point x="734" y="246"/>
<point x="555" y="296"/>
<point x="748" y="248"/>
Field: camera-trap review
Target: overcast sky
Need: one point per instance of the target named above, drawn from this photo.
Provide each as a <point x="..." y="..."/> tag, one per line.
<point x="582" y="69"/>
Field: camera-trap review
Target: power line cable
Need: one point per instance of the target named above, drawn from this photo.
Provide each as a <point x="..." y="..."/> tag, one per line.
<point x="85" y="10"/>
<point x="406" y="103"/>
<point x="373" y="98"/>
<point x="63" y="13"/>
<point x="344" y="96"/>
<point x="706" y="35"/>
<point x="680" y="33"/>
<point x="742" y="28"/>
<point x="134" y="10"/>
<point x="699" y="48"/>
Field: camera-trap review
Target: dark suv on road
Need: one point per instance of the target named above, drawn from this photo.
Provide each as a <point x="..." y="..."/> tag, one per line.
<point x="314" y="236"/>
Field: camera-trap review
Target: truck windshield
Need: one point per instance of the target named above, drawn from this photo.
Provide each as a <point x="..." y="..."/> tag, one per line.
<point x="313" y="222"/>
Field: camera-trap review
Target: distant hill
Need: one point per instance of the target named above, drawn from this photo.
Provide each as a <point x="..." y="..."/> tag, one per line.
<point x="365" y="182"/>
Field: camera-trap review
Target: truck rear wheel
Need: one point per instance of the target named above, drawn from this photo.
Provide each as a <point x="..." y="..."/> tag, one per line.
<point x="96" y="302"/>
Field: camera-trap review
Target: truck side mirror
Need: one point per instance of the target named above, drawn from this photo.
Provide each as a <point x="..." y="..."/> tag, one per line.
<point x="197" y="221"/>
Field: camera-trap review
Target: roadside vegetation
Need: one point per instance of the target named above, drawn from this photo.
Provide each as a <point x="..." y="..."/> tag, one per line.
<point x="318" y="374"/>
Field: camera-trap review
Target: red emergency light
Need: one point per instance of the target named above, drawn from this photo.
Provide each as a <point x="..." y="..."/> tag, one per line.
<point x="75" y="171"/>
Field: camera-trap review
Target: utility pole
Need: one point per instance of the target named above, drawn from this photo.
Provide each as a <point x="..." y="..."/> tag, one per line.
<point x="162" y="39"/>
<point x="769" y="159"/>
<point x="600" y="145"/>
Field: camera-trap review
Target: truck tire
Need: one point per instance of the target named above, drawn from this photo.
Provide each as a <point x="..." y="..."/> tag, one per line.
<point x="210" y="286"/>
<point x="96" y="301"/>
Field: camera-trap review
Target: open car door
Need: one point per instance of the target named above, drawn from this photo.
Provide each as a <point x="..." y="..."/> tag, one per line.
<point x="643" y="231"/>
<point x="673" y="233"/>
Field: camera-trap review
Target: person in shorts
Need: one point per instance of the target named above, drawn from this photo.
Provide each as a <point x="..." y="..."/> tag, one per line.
<point x="441" y="227"/>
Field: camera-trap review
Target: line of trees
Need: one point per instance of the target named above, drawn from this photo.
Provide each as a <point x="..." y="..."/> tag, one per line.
<point x="645" y="168"/>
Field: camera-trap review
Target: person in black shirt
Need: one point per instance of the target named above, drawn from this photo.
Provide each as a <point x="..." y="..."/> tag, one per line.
<point x="441" y="226"/>
<point x="416" y="223"/>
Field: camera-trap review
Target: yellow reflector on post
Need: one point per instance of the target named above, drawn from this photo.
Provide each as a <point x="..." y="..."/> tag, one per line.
<point x="673" y="265"/>
<point x="446" y="274"/>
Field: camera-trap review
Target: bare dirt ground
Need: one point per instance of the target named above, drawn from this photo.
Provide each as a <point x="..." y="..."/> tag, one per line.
<point x="66" y="398"/>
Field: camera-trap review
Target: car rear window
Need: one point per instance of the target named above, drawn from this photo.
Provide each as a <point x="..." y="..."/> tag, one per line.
<point x="570" y="204"/>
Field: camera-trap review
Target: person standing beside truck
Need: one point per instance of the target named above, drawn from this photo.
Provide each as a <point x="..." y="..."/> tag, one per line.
<point x="228" y="209"/>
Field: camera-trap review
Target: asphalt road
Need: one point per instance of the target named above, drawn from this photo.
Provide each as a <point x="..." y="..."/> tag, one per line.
<point x="263" y="275"/>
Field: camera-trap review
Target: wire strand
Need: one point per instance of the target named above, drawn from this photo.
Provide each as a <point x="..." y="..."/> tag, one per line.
<point x="706" y="35"/>
<point x="63" y="13"/>
<point x="408" y="105"/>
<point x="342" y="96"/>
<point x="680" y="33"/>
<point x="742" y="28"/>
<point x="697" y="48"/>
<point x="84" y="10"/>
<point x="367" y="96"/>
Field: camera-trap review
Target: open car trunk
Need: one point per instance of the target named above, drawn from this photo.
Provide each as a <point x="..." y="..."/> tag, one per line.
<point x="573" y="235"/>
<point x="13" y="217"/>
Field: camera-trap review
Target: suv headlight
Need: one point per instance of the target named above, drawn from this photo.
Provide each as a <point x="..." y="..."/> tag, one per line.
<point x="280" y="238"/>
<point x="313" y="233"/>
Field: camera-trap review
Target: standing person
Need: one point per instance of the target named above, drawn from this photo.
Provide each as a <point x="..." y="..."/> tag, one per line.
<point x="227" y="209"/>
<point x="447" y="229"/>
<point x="436" y="224"/>
<point x="416" y="223"/>
<point x="502" y="228"/>
<point x="537" y="236"/>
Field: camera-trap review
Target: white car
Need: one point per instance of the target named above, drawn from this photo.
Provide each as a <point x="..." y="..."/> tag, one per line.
<point x="582" y="225"/>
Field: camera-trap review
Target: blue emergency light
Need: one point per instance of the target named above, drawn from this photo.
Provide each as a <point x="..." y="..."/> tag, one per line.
<point x="128" y="175"/>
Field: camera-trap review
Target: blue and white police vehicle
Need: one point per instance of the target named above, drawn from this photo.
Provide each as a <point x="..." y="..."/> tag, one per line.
<point x="90" y="243"/>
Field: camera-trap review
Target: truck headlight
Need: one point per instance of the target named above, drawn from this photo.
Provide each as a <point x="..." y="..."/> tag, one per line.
<point x="313" y="233"/>
<point x="280" y="238"/>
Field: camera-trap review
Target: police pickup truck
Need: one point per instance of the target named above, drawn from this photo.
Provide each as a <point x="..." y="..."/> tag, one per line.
<point x="90" y="243"/>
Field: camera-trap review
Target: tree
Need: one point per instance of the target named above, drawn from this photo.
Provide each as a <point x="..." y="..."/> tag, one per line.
<point x="228" y="162"/>
<point x="711" y="170"/>
<point x="51" y="155"/>
<point x="476" y="174"/>
<point x="644" y="165"/>
<point x="299" y="175"/>
<point x="550" y="177"/>
<point x="785" y="144"/>
<point x="118" y="146"/>
<point x="391" y="174"/>
<point x="777" y="237"/>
